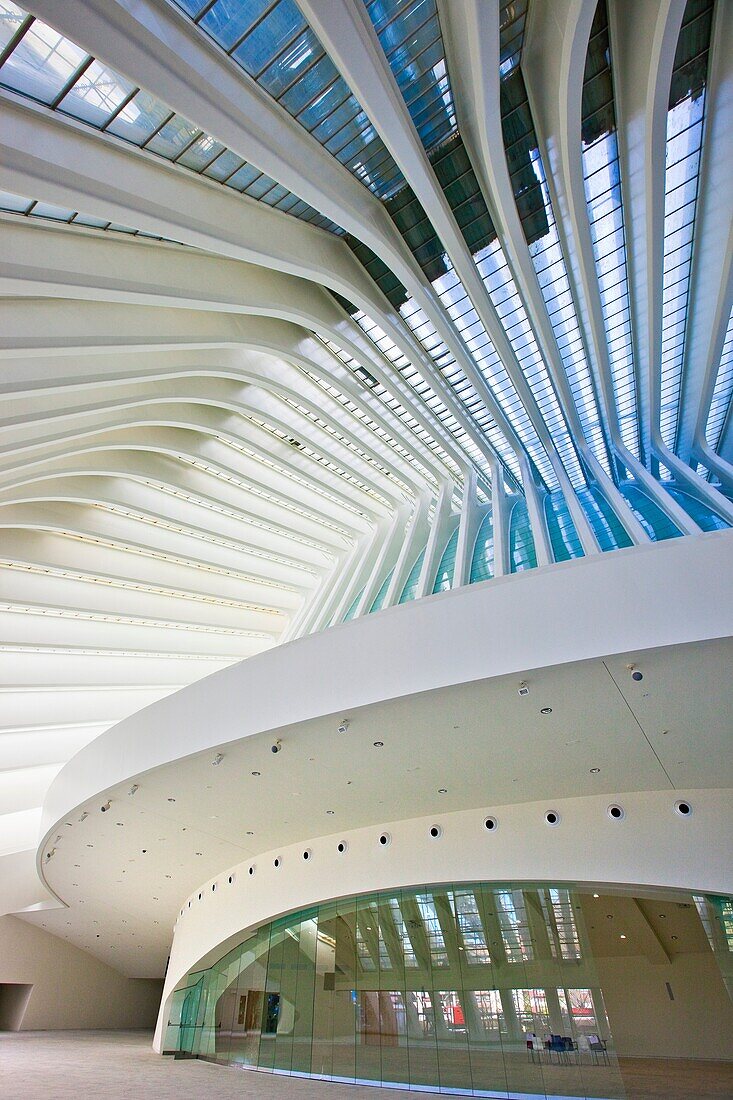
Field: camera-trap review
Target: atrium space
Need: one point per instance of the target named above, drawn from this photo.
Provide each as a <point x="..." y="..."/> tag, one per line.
<point x="366" y="509"/>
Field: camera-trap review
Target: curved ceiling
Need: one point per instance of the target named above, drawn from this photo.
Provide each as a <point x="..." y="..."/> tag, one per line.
<point x="311" y="309"/>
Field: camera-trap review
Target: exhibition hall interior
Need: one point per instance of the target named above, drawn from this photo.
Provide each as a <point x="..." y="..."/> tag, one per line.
<point x="366" y="508"/>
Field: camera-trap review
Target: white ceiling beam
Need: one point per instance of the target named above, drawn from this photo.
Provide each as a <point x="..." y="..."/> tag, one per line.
<point x="711" y="284"/>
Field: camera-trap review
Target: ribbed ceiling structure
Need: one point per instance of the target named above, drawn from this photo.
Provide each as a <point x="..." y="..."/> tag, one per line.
<point x="313" y="308"/>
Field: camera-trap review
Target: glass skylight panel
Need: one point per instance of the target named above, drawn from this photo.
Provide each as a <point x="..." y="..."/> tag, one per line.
<point x="42" y="63"/>
<point x="96" y="94"/>
<point x="273" y="43"/>
<point x="409" y="31"/>
<point x="721" y="399"/>
<point x="601" y="176"/>
<point x="425" y="332"/>
<point x="12" y="19"/>
<point x="423" y="390"/>
<point x="45" y="66"/>
<point x="52" y="212"/>
<point x="512" y="20"/>
<point x="139" y="118"/>
<point x="549" y="264"/>
<point x="605" y="213"/>
<point x="16" y="204"/>
<point x="685" y="120"/>
<point x="394" y="405"/>
<point x="354" y="410"/>
<point x="461" y="311"/>
<point x="684" y="146"/>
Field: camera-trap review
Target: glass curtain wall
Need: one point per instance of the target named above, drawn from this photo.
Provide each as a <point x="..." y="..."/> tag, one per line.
<point x="473" y="989"/>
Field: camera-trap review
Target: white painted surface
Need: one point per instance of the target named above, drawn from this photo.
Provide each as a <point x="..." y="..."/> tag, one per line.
<point x="641" y="598"/>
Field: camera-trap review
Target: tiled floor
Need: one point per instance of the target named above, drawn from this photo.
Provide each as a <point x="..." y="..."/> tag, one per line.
<point x="120" y="1065"/>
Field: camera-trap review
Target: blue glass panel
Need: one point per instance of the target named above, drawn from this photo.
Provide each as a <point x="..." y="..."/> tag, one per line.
<point x="193" y="7"/>
<point x="655" y="522"/>
<point x="408" y="592"/>
<point x="703" y="514"/>
<point x="607" y="527"/>
<point x="263" y="44"/>
<point x="381" y="595"/>
<point x="244" y="177"/>
<point x="564" y="537"/>
<point x="352" y="610"/>
<point x="522" y="552"/>
<point x="11" y="19"/>
<point x="482" y="562"/>
<point x="42" y="63"/>
<point x="16" y="203"/>
<point x="297" y="63"/>
<point x="204" y="149"/>
<point x="447" y="567"/>
<point x="96" y="95"/>
<point x="224" y="166"/>
<point x="410" y="36"/>
<point x="172" y="139"/>
<point x="139" y="119"/>
<point x="48" y="210"/>
<point x="228" y="20"/>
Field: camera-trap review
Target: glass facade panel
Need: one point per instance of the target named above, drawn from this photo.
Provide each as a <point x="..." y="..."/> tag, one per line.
<point x="522" y="552"/>
<point x="447" y="566"/>
<point x="482" y="562"/>
<point x="472" y="989"/>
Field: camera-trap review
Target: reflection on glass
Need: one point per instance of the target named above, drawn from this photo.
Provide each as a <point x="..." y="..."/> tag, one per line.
<point x="478" y="989"/>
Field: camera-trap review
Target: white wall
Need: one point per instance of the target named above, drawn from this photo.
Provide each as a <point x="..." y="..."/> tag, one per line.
<point x="645" y="1023"/>
<point x="71" y="989"/>
<point x="608" y="603"/>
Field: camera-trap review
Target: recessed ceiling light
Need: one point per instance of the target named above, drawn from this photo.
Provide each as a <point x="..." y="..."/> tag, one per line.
<point x="171" y="799"/>
<point x="379" y="744"/>
<point x="622" y="937"/>
<point x="330" y="812"/>
<point x="249" y="832"/>
<point x="596" y="895"/>
<point x="256" y="773"/>
<point x="442" y="790"/>
<point x="119" y="823"/>
<point x="594" y="771"/>
<point x="675" y="937"/>
<point x="546" y="710"/>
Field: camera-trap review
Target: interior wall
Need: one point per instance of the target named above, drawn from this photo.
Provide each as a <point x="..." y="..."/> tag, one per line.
<point x="645" y="1022"/>
<point x="71" y="989"/>
<point x="13" y="1001"/>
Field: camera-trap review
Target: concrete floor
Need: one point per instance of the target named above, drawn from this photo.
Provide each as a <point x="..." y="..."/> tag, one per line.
<point x="120" y="1065"/>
